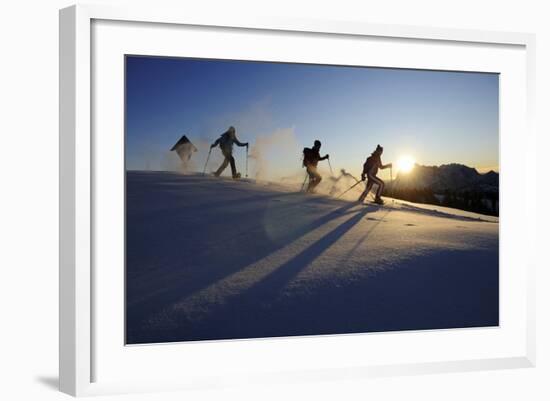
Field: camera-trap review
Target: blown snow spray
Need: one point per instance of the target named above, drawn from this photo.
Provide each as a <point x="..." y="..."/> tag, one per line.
<point x="304" y="183"/>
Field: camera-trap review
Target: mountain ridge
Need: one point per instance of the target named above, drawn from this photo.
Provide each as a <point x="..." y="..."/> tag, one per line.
<point x="448" y="177"/>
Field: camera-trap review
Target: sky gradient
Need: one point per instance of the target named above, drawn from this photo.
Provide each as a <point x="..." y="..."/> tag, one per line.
<point x="436" y="117"/>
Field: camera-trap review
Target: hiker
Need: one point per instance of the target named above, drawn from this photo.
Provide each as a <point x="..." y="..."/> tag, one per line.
<point x="343" y="174"/>
<point x="370" y="169"/>
<point x="311" y="158"/>
<point x="226" y="141"/>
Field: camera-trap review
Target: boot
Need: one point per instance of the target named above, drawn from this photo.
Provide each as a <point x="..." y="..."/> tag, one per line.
<point x="379" y="200"/>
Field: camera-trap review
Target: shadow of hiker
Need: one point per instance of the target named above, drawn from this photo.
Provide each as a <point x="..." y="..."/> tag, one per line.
<point x="274" y="282"/>
<point x="364" y="238"/>
<point x="249" y="313"/>
<point x="143" y="305"/>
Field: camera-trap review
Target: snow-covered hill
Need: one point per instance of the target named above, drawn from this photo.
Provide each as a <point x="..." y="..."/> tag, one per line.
<point x="212" y="258"/>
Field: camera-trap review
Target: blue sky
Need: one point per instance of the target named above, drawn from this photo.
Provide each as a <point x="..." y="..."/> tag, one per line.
<point x="436" y="117"/>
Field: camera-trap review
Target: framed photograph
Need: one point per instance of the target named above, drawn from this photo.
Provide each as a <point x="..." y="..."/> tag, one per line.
<point x="276" y="200"/>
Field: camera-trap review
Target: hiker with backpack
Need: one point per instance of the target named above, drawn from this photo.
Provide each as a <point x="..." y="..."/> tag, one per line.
<point x="226" y="141"/>
<point x="311" y="158"/>
<point x="370" y="169"/>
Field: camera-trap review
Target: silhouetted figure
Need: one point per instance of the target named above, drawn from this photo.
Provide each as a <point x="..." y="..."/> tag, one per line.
<point x="343" y="174"/>
<point x="184" y="148"/>
<point x="311" y="158"/>
<point x="370" y="169"/>
<point x="226" y="141"/>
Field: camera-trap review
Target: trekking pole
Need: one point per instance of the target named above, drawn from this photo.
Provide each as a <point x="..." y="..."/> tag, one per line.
<point x="331" y="172"/>
<point x="391" y="183"/>
<point x="304" y="183"/>
<point x="246" y="161"/>
<point x="205" y="164"/>
<point x="349" y="189"/>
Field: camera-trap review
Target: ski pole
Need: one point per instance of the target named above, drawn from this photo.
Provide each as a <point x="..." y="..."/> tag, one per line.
<point x="349" y="189"/>
<point x="246" y="161"/>
<point x="331" y="172"/>
<point x="205" y="164"/>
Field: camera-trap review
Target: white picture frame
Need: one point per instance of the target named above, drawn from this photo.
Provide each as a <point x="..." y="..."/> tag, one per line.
<point x="79" y="155"/>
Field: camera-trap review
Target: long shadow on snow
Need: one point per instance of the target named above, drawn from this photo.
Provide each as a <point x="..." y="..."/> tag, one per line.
<point x="365" y="236"/>
<point x="446" y="289"/>
<point x="155" y="232"/>
<point x="216" y="272"/>
<point x="178" y="267"/>
<point x="248" y="307"/>
<point x="271" y="285"/>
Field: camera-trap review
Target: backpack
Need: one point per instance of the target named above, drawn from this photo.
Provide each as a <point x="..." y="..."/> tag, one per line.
<point x="372" y="161"/>
<point x="309" y="157"/>
<point x="225" y="141"/>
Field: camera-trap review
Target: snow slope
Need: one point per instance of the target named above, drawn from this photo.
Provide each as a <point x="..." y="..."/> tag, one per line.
<point x="212" y="258"/>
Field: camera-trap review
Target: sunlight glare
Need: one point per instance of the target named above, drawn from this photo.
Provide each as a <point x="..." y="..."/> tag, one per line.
<point x="405" y="164"/>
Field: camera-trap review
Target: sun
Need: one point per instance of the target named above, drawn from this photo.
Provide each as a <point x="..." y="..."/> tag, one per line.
<point x="405" y="164"/>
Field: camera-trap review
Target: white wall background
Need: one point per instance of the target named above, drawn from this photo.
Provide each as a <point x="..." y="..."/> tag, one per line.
<point x="29" y="186"/>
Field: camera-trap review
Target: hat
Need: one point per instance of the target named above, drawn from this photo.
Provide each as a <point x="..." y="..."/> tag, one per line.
<point x="231" y="132"/>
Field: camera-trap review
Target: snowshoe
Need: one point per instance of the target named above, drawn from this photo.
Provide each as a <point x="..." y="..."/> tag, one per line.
<point x="378" y="201"/>
<point x="237" y="176"/>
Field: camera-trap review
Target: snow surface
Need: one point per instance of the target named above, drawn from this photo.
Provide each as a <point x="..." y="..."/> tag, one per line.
<point x="211" y="258"/>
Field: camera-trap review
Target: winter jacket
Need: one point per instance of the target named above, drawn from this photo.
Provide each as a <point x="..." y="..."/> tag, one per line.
<point x="372" y="164"/>
<point x="226" y="143"/>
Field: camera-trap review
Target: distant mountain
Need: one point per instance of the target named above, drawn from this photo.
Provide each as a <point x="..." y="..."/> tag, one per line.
<point x="448" y="177"/>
